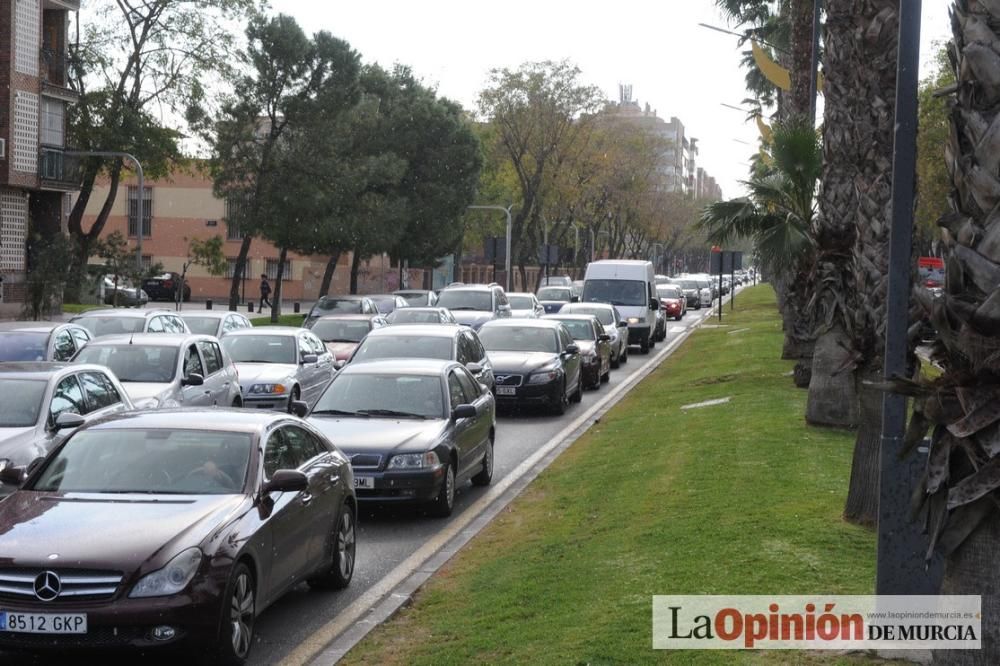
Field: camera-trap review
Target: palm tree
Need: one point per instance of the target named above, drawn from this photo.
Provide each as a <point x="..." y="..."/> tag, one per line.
<point x="777" y="216"/>
<point x="960" y="487"/>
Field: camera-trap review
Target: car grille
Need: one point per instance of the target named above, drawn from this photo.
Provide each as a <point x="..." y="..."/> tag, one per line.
<point x="74" y="584"/>
<point x="366" y="460"/>
<point x="508" y="380"/>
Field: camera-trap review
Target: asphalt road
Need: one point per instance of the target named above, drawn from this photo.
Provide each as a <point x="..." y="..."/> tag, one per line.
<point x="387" y="536"/>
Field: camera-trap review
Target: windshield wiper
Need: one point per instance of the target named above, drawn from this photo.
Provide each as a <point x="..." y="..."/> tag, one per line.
<point x="391" y="413"/>
<point x="340" y="340"/>
<point x="462" y="307"/>
<point x="338" y="412"/>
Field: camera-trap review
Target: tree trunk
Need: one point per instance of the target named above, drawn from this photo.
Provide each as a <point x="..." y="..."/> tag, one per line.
<point x="355" y="268"/>
<point x="276" y="303"/>
<point x="801" y="43"/>
<point x="862" y="495"/>
<point x="833" y="394"/>
<point x="331" y="267"/>
<point x="239" y="273"/>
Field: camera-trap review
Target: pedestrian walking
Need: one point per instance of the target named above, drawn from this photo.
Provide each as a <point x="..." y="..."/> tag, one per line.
<point x="265" y="291"/>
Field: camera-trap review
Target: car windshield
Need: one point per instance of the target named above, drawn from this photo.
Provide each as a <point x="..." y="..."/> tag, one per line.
<point x="21" y="402"/>
<point x="100" y="326"/>
<point x="202" y="325"/>
<point x="23" y="346"/>
<point x="350" y="305"/>
<point x="133" y="363"/>
<point x="341" y="330"/>
<point x="260" y="348"/>
<point x="385" y="305"/>
<point x="519" y="338"/>
<point x="604" y="315"/>
<point x="668" y="292"/>
<point x="580" y="329"/>
<point x="383" y="395"/>
<point x="411" y="316"/>
<point x="404" y="346"/>
<point x="520" y="302"/>
<point x="688" y="284"/>
<point x="616" y="292"/>
<point x="555" y="294"/>
<point x="414" y="297"/>
<point x="154" y="461"/>
<point x="460" y="299"/>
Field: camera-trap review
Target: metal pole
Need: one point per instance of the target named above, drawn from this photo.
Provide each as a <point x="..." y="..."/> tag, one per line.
<point x="509" y="227"/>
<point x="814" y="72"/>
<point x="900" y="565"/>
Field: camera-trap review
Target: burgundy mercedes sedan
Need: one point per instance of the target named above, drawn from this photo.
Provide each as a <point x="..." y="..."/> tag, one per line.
<point x="171" y="528"/>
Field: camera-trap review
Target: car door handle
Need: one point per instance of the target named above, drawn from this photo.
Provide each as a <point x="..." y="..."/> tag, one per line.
<point x="333" y="478"/>
<point x="306" y="498"/>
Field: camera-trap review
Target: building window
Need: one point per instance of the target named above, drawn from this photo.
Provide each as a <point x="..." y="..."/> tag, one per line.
<point x="133" y="212"/>
<point x="13" y="230"/>
<point x="272" y="270"/>
<point x="27" y="33"/>
<point x="146" y="262"/>
<point x="234" y="207"/>
<point x="231" y="267"/>
<point x="25" y="150"/>
<point x="211" y="223"/>
<point x="53" y="122"/>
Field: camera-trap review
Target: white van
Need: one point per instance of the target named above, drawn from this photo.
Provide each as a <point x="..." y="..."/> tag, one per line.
<point x="629" y="285"/>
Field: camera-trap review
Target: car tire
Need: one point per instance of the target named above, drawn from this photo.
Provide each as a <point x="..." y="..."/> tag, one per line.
<point x="239" y="613"/>
<point x="578" y="394"/>
<point x="485" y="476"/>
<point x="341" y="570"/>
<point x="644" y="346"/>
<point x="559" y="408"/>
<point x="237" y="403"/>
<point x="296" y="393"/>
<point x="615" y="362"/>
<point x="606" y="377"/>
<point x="623" y="357"/>
<point x="442" y="505"/>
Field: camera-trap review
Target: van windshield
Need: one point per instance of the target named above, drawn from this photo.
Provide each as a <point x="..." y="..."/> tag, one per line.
<point x="616" y="292"/>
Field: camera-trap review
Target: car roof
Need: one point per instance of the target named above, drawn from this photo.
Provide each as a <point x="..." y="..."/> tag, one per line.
<point x="42" y="369"/>
<point x="400" y="292"/>
<point x="345" y="297"/>
<point x="208" y="314"/>
<point x="587" y="304"/>
<point x="349" y="316"/>
<point x="400" y="366"/>
<point x="132" y="313"/>
<point x="401" y="330"/>
<point x="30" y="326"/>
<point x="524" y="293"/>
<point x="149" y="339"/>
<point x="573" y="317"/>
<point x="522" y="323"/>
<point x="383" y="295"/>
<point x="471" y="287"/>
<point x="268" y="330"/>
<point x="205" y="418"/>
<point x="423" y="308"/>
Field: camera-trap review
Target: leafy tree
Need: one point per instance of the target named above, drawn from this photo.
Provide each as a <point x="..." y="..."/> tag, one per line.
<point x="134" y="60"/>
<point x="119" y="262"/>
<point x="49" y="260"/>
<point x="933" y="183"/>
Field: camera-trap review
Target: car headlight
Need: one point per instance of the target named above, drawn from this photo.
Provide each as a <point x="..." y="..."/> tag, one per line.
<point x="633" y="320"/>
<point x="172" y="578"/>
<point x="414" y="460"/>
<point x="277" y="389"/>
<point x="589" y="359"/>
<point x="4" y="462"/>
<point x="544" y="376"/>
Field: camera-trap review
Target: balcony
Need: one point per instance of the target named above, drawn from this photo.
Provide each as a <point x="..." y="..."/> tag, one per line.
<point x="55" y="75"/>
<point x="67" y="5"/>
<point x="57" y="170"/>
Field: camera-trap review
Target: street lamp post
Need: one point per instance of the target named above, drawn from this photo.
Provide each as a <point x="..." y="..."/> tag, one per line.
<point x="142" y="190"/>
<point x="509" y="225"/>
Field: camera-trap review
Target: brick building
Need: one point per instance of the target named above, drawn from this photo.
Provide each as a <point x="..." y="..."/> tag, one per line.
<point x="34" y="92"/>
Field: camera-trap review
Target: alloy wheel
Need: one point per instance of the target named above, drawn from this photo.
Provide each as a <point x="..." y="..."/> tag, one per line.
<point x="241" y="614"/>
<point x="346" y="544"/>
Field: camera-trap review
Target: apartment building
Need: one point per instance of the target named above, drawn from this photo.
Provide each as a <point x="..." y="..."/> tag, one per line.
<point x="34" y="91"/>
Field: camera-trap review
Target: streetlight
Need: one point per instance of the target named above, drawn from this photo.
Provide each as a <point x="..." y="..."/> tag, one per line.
<point x="507" y="254"/>
<point x="142" y="189"/>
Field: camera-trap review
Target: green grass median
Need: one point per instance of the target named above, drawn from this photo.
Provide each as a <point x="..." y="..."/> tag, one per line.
<point x="734" y="498"/>
<point x="283" y="320"/>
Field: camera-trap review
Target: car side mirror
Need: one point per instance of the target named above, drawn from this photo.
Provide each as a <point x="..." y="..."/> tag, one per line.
<point x="309" y="358"/>
<point x="654" y="304"/>
<point x="604" y="337"/>
<point x="300" y="408"/>
<point x="340" y="363"/>
<point x="463" y="412"/>
<point x="474" y="368"/>
<point x="13" y="476"/>
<point x="194" y="379"/>
<point x="286" y="481"/>
<point x="572" y="349"/>
<point x="623" y="324"/>
<point x="574" y="299"/>
<point x="68" y="420"/>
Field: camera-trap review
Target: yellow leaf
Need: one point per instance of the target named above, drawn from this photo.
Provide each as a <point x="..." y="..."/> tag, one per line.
<point x="771" y="70"/>
<point x="765" y="130"/>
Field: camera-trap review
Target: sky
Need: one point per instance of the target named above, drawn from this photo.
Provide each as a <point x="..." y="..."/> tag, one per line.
<point x="679" y="68"/>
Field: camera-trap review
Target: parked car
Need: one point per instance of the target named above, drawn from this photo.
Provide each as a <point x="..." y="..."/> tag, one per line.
<point x="172" y="530"/>
<point x="162" y="371"/>
<point x="525" y="305"/>
<point x="434" y="428"/>
<point x="535" y="361"/>
<point x="613" y="325"/>
<point x="165" y="287"/>
<point x="44" y="402"/>
<point x="629" y="286"/>
<point x="418" y="297"/>
<point x="386" y="303"/>
<point x="118" y="321"/>
<point x="328" y="305"/>
<point x="217" y="323"/>
<point x="553" y="298"/>
<point x="128" y="295"/>
<point x="556" y="281"/>
<point x="421" y="315"/>
<point x="449" y="342"/>
<point x="474" y="305"/>
<point x="342" y="333"/>
<point x="278" y="365"/>
<point x="594" y="344"/>
<point x="40" y="340"/>
<point x="672" y="299"/>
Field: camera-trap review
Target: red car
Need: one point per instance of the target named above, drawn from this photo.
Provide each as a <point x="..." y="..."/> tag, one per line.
<point x="672" y="299"/>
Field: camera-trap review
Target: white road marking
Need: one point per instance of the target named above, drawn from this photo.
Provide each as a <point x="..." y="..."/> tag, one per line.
<point x="707" y="403"/>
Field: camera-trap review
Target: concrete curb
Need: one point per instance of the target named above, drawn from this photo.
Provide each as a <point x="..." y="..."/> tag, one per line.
<point x="331" y="642"/>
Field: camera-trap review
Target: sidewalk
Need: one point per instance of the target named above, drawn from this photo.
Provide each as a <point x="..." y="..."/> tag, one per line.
<point x="663" y="497"/>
